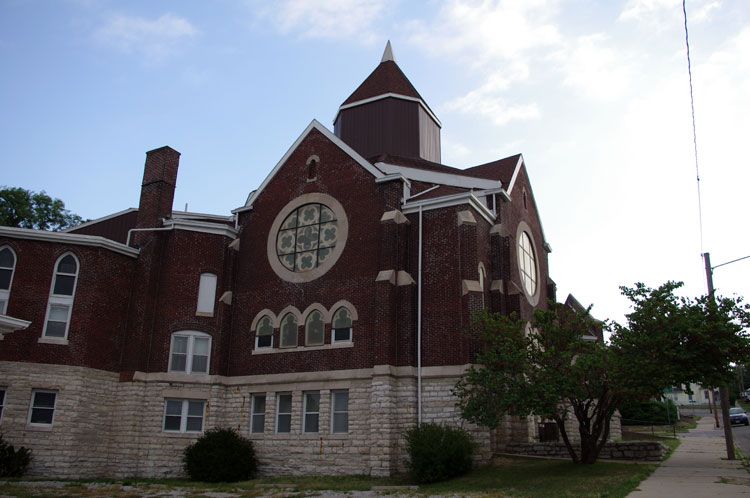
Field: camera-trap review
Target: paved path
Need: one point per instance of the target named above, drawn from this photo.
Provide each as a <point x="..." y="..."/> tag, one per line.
<point x="698" y="468"/>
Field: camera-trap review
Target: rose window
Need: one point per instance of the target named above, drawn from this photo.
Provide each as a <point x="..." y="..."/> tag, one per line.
<point x="307" y="237"/>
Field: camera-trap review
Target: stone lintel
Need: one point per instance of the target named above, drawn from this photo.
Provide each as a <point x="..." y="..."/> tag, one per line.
<point x="466" y="218"/>
<point x="403" y="278"/>
<point x="226" y="298"/>
<point x="386" y="276"/>
<point x="394" y="216"/>
<point x="235" y="244"/>
<point x="470" y="286"/>
<point x="496" y="286"/>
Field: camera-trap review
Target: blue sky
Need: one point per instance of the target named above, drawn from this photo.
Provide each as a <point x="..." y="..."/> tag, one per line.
<point x="594" y="94"/>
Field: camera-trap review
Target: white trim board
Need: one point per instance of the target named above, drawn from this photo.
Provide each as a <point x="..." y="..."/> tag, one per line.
<point x="201" y="226"/>
<point x="441" y="178"/>
<point x="69" y="238"/>
<point x="389" y="95"/>
<point x="448" y="201"/>
<point x="315" y="124"/>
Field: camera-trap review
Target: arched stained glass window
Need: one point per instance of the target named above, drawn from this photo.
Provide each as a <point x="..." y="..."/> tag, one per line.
<point x="289" y="331"/>
<point x="342" y="325"/>
<point x="314" y="329"/>
<point x="264" y="333"/>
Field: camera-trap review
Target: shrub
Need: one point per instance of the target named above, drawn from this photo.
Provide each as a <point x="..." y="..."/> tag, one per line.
<point x="13" y="462"/>
<point x="438" y="452"/>
<point x="653" y="412"/>
<point x="220" y="455"/>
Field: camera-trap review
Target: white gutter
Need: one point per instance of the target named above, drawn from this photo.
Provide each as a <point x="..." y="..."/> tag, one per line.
<point x="419" y="324"/>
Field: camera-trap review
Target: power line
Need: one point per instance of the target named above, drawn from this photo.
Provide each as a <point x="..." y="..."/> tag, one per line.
<point x="695" y="137"/>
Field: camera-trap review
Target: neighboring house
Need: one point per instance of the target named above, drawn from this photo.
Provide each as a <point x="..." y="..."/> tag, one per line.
<point x="698" y="395"/>
<point x="320" y="319"/>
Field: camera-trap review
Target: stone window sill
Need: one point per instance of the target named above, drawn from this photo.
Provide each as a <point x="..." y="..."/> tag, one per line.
<point x="336" y="345"/>
<point x="53" y="340"/>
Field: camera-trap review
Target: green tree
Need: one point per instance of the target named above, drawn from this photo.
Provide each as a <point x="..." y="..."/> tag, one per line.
<point x="550" y="370"/>
<point x="27" y="209"/>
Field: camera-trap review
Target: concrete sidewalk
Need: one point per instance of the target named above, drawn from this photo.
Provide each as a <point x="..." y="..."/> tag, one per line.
<point x="697" y="468"/>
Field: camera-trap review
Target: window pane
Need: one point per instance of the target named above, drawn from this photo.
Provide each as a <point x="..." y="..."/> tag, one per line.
<point x="258" y="423"/>
<point x="341" y="401"/>
<point x="259" y="404"/>
<point x="174" y="407"/>
<point x="44" y="400"/>
<point x="41" y="415"/>
<point x="285" y="403"/>
<point x="179" y="344"/>
<point x="6" y="258"/>
<point x="2" y="397"/>
<point x="311" y="422"/>
<point x="312" y="402"/>
<point x="55" y="329"/>
<point x="342" y="335"/>
<point x="64" y="285"/>
<point x="178" y="362"/>
<point x="58" y="313"/>
<point x="200" y="364"/>
<point x="171" y="423"/>
<point x="265" y="327"/>
<point x="207" y="293"/>
<point x="194" y="424"/>
<point x="342" y="319"/>
<point x="285" y="423"/>
<point x="195" y="408"/>
<point x="67" y="265"/>
<point x="265" y="341"/>
<point x="5" y="279"/>
<point x="340" y="422"/>
<point x="201" y="346"/>
<point x="315" y="329"/>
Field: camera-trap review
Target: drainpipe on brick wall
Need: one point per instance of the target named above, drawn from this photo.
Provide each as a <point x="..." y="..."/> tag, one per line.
<point x="419" y="325"/>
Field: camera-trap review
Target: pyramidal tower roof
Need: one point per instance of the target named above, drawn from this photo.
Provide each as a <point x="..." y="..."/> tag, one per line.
<point x="386" y="78"/>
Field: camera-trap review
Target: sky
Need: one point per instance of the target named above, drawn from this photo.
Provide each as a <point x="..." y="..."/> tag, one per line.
<point x="595" y="95"/>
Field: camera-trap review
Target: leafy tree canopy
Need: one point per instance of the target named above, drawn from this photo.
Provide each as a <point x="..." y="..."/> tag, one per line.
<point x="27" y="209"/>
<point x="549" y="369"/>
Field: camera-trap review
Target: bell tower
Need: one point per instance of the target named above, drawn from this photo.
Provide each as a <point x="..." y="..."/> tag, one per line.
<point x="386" y="115"/>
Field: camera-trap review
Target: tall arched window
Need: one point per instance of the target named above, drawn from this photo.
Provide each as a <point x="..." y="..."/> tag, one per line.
<point x="60" y="303"/>
<point x="481" y="283"/>
<point x="264" y="333"/>
<point x="314" y="329"/>
<point x="342" y="325"/>
<point x="7" y="268"/>
<point x="289" y="331"/>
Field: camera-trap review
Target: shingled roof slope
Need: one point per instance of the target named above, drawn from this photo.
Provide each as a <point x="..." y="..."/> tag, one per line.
<point x="502" y="169"/>
<point x="386" y="78"/>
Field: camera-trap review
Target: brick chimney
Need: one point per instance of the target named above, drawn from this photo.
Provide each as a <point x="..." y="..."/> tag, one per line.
<point x="157" y="190"/>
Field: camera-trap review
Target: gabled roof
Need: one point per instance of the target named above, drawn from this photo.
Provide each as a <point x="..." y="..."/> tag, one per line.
<point x="502" y="169"/>
<point x="314" y="125"/>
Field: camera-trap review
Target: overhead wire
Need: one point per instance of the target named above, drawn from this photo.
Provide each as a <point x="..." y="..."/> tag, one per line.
<point x="695" y="136"/>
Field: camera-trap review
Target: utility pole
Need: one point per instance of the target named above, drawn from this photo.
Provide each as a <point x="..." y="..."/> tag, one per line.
<point x="723" y="391"/>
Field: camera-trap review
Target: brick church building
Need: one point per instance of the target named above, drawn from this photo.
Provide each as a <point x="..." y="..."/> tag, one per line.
<point x="320" y="319"/>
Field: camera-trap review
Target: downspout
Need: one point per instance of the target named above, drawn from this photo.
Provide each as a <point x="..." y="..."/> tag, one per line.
<point x="419" y="324"/>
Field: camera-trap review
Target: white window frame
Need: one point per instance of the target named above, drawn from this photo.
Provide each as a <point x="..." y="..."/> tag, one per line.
<point x="333" y="329"/>
<point x="5" y="293"/>
<point x="257" y="328"/>
<point x="206" y="294"/>
<point x="305" y="413"/>
<point x="184" y="416"/>
<point x="3" y="395"/>
<point x="191" y="336"/>
<point x="278" y="412"/>
<point x="254" y="414"/>
<point x="334" y="412"/>
<point x="32" y="406"/>
<point x="61" y="299"/>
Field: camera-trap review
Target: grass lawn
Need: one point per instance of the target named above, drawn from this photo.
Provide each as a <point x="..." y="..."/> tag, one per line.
<point x="516" y="477"/>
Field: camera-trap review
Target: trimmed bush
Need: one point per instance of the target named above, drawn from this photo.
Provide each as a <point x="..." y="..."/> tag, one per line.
<point x="651" y="412"/>
<point x="220" y="455"/>
<point x="438" y="452"/>
<point x="13" y="462"/>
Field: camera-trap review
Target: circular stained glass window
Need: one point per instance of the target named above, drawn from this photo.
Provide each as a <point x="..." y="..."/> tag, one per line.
<point x="307" y="237"/>
<point x="527" y="264"/>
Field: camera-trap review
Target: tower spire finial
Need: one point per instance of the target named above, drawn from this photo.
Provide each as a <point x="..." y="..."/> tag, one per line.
<point x="388" y="53"/>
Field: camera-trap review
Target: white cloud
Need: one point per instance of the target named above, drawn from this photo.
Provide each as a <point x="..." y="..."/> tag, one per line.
<point x="333" y="19"/>
<point x="488" y="101"/>
<point x="154" y="39"/>
<point x="598" y="71"/>
<point x="656" y="12"/>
